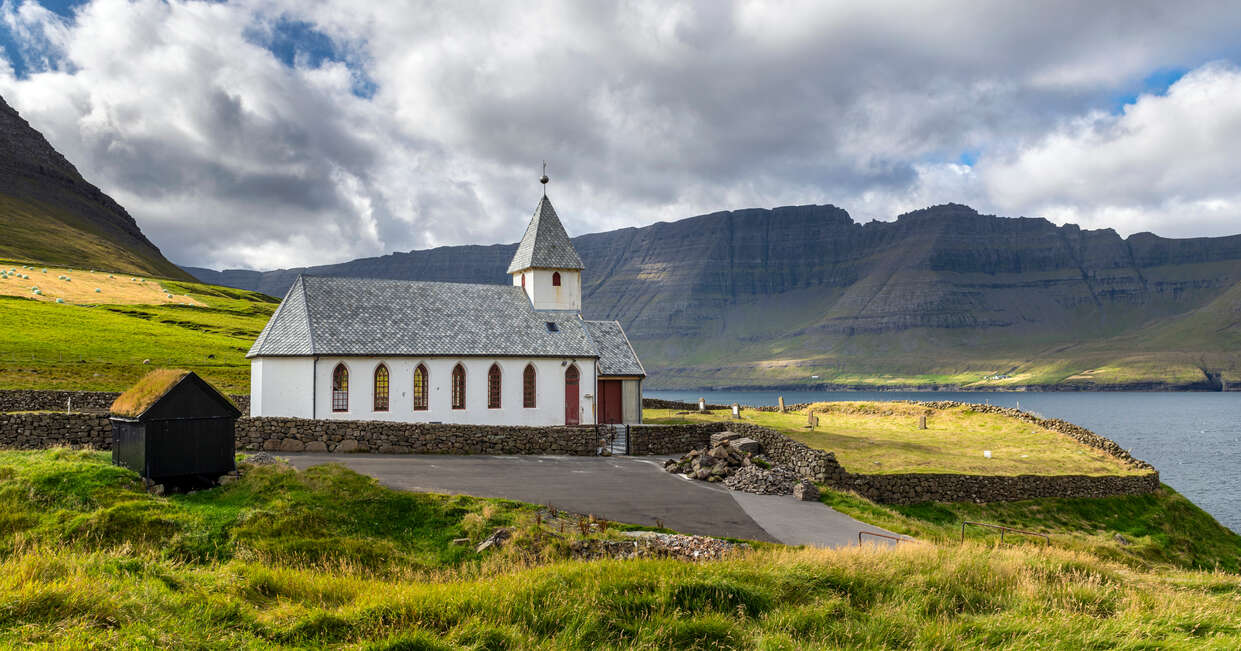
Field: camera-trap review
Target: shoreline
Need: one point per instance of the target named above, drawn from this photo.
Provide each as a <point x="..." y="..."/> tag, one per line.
<point x="1144" y="387"/>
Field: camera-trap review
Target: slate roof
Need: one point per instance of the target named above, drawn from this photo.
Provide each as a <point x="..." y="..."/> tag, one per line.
<point x="545" y="244"/>
<point x="370" y="316"/>
<point x="616" y="355"/>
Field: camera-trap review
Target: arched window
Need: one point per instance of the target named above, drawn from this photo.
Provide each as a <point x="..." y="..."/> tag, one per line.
<point x="340" y="388"/>
<point x="555" y="279"/>
<point x="493" y="387"/>
<point x="527" y="387"/>
<point x="381" y="388"/>
<point x="458" y="387"/>
<point x="572" y="408"/>
<point x="420" y="388"/>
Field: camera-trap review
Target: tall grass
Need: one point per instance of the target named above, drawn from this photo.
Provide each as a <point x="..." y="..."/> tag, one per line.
<point x="913" y="596"/>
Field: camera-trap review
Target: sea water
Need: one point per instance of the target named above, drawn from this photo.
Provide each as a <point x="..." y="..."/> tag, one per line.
<point x="1193" y="439"/>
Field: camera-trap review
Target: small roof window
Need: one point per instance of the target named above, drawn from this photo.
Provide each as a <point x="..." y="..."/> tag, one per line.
<point x="552" y="326"/>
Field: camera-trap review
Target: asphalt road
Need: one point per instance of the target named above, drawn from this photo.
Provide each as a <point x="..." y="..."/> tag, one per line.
<point x="624" y="489"/>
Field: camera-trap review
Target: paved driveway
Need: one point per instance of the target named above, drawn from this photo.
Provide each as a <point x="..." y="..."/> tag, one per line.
<point x="625" y="489"/>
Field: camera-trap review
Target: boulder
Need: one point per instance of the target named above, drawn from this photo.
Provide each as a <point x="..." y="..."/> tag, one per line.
<point x="292" y="445"/>
<point x="720" y="437"/>
<point x="316" y="446"/>
<point x="747" y="445"/>
<point x="496" y="539"/>
<point x="350" y="445"/>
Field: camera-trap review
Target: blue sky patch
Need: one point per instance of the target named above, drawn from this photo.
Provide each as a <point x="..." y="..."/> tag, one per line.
<point x="1156" y="83"/>
<point x="297" y="42"/>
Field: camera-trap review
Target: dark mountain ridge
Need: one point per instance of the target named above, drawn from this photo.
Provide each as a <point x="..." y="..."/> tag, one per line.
<point x="769" y="296"/>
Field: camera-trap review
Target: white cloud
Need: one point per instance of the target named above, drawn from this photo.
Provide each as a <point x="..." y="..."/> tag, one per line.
<point x="1167" y="163"/>
<point x="646" y="111"/>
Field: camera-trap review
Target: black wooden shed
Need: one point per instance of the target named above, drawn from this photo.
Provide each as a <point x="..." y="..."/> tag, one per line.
<point x="174" y="428"/>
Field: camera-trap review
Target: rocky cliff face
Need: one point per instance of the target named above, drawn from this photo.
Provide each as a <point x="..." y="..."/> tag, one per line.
<point x="806" y="287"/>
<point x="51" y="214"/>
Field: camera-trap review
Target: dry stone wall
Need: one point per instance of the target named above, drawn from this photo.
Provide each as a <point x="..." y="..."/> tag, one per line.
<point x="304" y="435"/>
<point x="38" y="400"/>
<point x="670" y="439"/>
<point x="28" y="431"/>
<point x="36" y="431"/>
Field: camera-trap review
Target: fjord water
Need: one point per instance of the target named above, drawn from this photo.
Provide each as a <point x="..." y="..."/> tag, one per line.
<point x="1193" y="439"/>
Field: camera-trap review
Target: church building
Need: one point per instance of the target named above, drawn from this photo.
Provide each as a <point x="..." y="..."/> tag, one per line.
<point x="414" y="351"/>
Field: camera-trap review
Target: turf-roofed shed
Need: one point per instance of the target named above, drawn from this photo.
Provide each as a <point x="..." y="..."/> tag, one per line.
<point x="174" y="428"/>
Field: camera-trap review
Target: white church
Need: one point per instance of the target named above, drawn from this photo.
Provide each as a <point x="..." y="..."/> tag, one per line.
<point x="412" y="351"/>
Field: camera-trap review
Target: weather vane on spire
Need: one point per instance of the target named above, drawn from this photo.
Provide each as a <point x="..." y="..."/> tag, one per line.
<point x="543" y="179"/>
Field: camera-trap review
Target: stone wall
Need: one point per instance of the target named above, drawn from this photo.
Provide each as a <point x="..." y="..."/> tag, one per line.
<point x="297" y="435"/>
<point x="38" y="400"/>
<point x="48" y="430"/>
<point x="27" y="431"/>
<point x="670" y="439"/>
<point x="656" y="403"/>
<point x="29" y="400"/>
<point x="914" y="488"/>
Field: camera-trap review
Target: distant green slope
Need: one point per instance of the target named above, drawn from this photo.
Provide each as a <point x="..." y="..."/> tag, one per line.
<point x="102" y="347"/>
<point x="42" y="233"/>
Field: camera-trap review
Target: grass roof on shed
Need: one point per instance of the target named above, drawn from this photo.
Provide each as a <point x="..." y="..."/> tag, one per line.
<point x="147" y="391"/>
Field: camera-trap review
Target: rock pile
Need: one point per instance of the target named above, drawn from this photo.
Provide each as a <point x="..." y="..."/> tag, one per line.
<point x="777" y="480"/>
<point x="650" y="544"/>
<point x="716" y="463"/>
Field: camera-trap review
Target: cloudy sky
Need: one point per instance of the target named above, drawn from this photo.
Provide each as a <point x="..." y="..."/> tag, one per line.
<point x="271" y="133"/>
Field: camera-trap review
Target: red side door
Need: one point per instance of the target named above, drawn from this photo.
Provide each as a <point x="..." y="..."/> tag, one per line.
<point x="610" y="406"/>
<point x="572" y="410"/>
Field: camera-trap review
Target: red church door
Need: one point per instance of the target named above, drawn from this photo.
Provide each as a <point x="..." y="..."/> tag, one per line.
<point x="572" y="410"/>
<point x="611" y="409"/>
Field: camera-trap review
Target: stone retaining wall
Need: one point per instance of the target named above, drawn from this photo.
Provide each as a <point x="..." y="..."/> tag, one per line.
<point x="670" y="439"/>
<point x="38" y="431"/>
<point x="29" y="431"/>
<point x="298" y="435"/>
<point x="39" y="400"/>
<point x="914" y="488"/>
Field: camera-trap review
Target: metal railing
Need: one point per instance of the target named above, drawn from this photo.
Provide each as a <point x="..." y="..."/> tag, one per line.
<point x="1004" y="530"/>
<point x="880" y="535"/>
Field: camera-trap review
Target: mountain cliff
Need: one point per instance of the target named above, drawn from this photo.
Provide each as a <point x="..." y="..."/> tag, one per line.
<point x="50" y="214"/>
<point x="943" y="297"/>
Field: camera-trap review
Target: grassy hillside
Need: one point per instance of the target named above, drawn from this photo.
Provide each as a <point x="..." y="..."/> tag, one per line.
<point x="102" y="345"/>
<point x="42" y="233"/>
<point x="325" y="558"/>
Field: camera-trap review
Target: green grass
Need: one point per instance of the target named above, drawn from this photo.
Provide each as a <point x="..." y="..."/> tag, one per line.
<point x="869" y="437"/>
<point x="325" y="514"/>
<point x="327" y="558"/>
<point x="1162" y="528"/>
<point x="102" y="347"/>
<point x="43" y="233"/>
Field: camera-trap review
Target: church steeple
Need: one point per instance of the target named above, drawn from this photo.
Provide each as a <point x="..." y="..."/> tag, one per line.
<point x="546" y="264"/>
<point x="545" y="245"/>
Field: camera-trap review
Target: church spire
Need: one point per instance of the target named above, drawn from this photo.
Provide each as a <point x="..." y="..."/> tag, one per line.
<point x="545" y="245"/>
